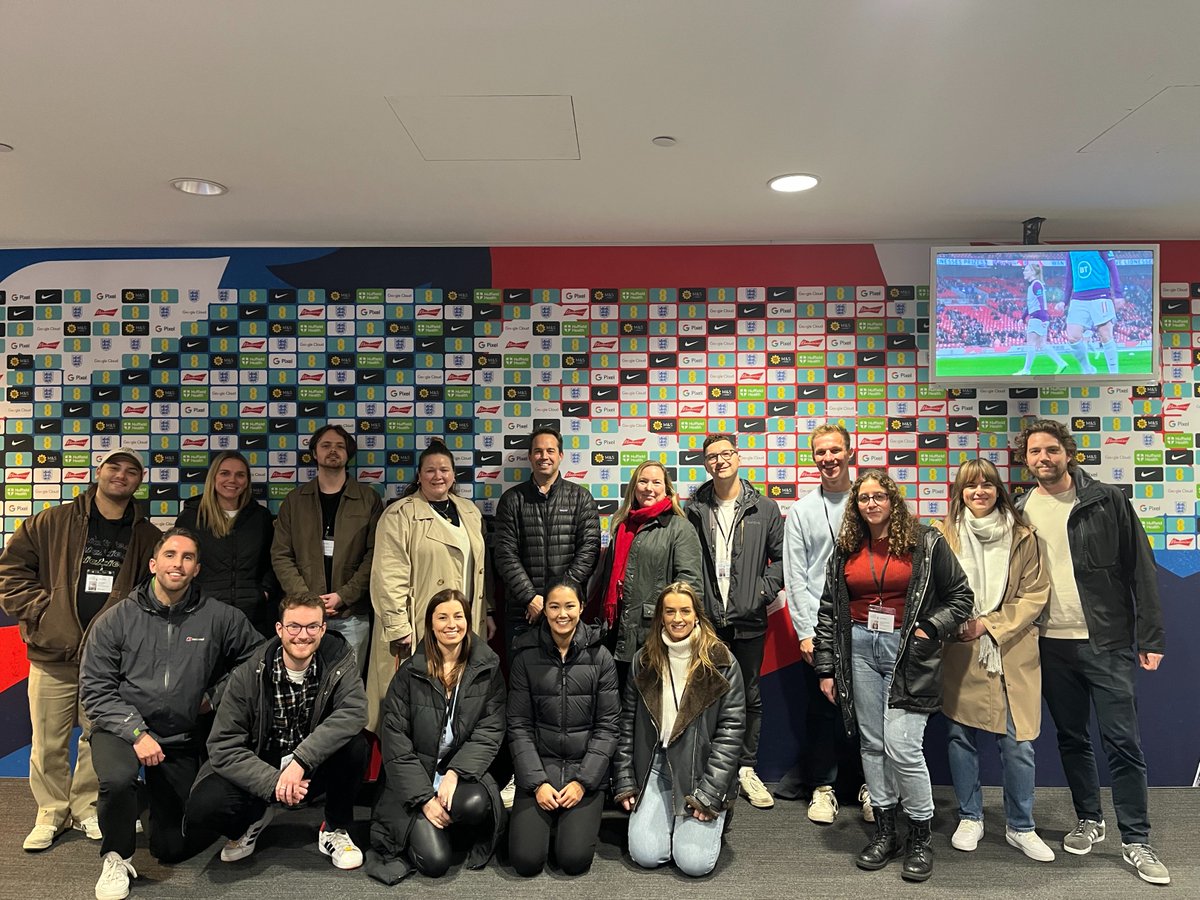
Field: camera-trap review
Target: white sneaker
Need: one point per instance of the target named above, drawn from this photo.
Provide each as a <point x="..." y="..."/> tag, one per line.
<point x="1030" y="844"/>
<point x="337" y="846"/>
<point x="823" y="807"/>
<point x="114" y="877"/>
<point x="508" y="793"/>
<point x="244" y="846"/>
<point x="864" y="797"/>
<point x="89" y="826"/>
<point x="756" y="791"/>
<point x="967" y="834"/>
<point x="41" y="837"/>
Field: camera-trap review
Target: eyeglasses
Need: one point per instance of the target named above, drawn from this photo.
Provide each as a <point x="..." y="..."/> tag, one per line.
<point x="868" y="499"/>
<point x="294" y="628"/>
<point x="723" y="456"/>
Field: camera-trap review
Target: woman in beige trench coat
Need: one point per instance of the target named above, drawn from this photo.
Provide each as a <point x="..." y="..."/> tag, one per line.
<point x="426" y="541"/>
<point x="992" y="672"/>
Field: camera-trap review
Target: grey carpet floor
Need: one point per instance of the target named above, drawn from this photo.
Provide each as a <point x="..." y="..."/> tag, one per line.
<point x="768" y="854"/>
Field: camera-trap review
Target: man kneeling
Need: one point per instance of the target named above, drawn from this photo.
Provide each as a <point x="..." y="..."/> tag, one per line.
<point x="287" y="730"/>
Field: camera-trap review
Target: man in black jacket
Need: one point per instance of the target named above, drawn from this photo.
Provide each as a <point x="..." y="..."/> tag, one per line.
<point x="1103" y="605"/>
<point x="547" y="530"/>
<point x="150" y="667"/>
<point x="289" y="728"/>
<point x="741" y="536"/>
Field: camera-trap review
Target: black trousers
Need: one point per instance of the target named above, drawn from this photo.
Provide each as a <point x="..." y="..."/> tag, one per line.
<point x="748" y="652"/>
<point x="828" y="756"/>
<point x="431" y="849"/>
<point x="218" y="805"/>
<point x="167" y="785"/>
<point x="1076" y="678"/>
<point x="530" y="826"/>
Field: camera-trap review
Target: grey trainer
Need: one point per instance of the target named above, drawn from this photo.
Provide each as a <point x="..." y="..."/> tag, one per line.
<point x="1080" y="840"/>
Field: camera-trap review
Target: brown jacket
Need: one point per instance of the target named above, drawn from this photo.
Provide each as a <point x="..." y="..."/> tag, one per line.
<point x="974" y="698"/>
<point x="414" y="559"/>
<point x="296" y="552"/>
<point x="39" y="575"/>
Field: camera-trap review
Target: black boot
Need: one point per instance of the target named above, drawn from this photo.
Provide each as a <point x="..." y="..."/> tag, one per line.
<point x="918" y="854"/>
<point x="884" y="846"/>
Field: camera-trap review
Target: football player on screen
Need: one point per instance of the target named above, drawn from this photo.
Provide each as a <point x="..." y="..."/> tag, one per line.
<point x="1037" y="321"/>
<point x="1092" y="297"/>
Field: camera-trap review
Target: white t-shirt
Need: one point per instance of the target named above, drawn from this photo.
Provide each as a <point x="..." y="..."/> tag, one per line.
<point x="1048" y="513"/>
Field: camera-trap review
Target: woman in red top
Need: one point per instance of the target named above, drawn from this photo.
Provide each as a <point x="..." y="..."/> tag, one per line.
<point x="893" y="593"/>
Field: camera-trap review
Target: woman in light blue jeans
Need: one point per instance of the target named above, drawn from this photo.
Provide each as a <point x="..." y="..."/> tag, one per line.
<point x="993" y="673"/>
<point x="682" y="723"/>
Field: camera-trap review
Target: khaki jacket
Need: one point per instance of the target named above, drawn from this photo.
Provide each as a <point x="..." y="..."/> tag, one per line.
<point x="296" y="552"/>
<point x="39" y="575"/>
<point x="415" y="558"/>
<point x="974" y="698"/>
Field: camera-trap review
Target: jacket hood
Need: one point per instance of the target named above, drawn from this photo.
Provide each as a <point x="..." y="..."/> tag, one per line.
<point x="749" y="493"/>
<point x="333" y="649"/>
<point x="143" y="596"/>
<point x="586" y="636"/>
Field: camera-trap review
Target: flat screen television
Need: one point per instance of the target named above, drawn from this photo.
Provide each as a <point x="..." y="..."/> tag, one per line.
<point x="1049" y="313"/>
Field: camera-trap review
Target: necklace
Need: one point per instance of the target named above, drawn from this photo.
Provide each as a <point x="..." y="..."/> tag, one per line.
<point x="441" y="507"/>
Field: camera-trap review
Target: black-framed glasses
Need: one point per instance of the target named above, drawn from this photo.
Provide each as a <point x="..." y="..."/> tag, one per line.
<point x="723" y="456"/>
<point x="294" y="628"/>
<point x="868" y="499"/>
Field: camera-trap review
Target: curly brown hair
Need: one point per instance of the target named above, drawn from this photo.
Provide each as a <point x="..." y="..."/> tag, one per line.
<point x="1056" y="430"/>
<point x="902" y="526"/>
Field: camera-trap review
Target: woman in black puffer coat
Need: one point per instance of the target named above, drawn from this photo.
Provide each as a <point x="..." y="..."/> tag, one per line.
<point x="563" y="720"/>
<point x="235" y="533"/>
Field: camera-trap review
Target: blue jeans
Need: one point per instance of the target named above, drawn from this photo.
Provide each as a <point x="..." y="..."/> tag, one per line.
<point x="1016" y="764"/>
<point x="657" y="835"/>
<point x="891" y="739"/>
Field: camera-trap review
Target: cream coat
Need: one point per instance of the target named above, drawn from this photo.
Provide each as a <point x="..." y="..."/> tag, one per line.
<point x="415" y="557"/>
<point x="971" y="696"/>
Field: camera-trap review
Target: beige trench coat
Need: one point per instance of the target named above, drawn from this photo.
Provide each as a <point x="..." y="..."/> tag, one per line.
<point x="415" y="557"/>
<point x="974" y="698"/>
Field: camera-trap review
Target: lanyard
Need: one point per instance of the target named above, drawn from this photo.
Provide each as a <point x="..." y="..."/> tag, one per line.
<point x="671" y="675"/>
<point x="882" y="575"/>
<point x="828" y="522"/>
<point x="727" y="537"/>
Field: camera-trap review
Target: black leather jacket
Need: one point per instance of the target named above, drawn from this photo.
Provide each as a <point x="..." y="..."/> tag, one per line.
<point x="938" y="594"/>
<point x="1114" y="568"/>
<point x="705" y="756"/>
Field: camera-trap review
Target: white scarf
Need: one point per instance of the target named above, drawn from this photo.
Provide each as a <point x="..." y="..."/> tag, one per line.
<point x="679" y="659"/>
<point x="984" y="545"/>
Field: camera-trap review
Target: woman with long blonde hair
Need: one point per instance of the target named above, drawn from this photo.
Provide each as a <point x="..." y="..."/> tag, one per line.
<point x="235" y="534"/>
<point x="683" y="720"/>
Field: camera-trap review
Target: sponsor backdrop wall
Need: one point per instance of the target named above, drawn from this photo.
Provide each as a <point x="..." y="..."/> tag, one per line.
<point x="633" y="353"/>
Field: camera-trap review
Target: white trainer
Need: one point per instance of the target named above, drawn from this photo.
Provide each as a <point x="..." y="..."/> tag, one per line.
<point x="1030" y="844"/>
<point x="338" y="846"/>
<point x="823" y="807"/>
<point x="967" y="834"/>
<point x="114" y="877"/>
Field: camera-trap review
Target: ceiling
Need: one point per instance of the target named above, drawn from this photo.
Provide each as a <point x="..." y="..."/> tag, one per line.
<point x="530" y="121"/>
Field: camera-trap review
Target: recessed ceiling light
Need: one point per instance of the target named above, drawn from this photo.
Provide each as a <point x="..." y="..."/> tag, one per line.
<point x="199" y="186"/>
<point x="6" y="148"/>
<point x="663" y="140"/>
<point x="790" y="184"/>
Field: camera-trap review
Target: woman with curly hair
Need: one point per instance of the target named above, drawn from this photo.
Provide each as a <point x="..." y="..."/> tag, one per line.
<point x="893" y="592"/>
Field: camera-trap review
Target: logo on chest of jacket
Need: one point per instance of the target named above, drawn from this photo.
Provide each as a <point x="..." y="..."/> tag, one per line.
<point x="191" y="638"/>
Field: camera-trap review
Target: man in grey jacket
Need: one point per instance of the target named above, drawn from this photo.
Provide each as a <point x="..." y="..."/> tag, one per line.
<point x="289" y="728"/>
<point x="151" y="668"/>
<point x="741" y="537"/>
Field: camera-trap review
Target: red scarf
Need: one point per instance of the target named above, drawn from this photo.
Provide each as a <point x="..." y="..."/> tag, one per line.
<point x="622" y="541"/>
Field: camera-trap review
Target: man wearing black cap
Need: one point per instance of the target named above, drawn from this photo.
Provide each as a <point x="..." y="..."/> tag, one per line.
<point x="61" y="568"/>
<point x="325" y="538"/>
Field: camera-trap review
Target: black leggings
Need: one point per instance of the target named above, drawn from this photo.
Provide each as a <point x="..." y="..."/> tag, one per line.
<point x="431" y="849"/>
<point x="575" y="840"/>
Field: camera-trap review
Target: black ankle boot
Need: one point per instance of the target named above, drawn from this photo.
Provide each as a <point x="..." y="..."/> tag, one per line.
<point x="884" y="846"/>
<point x="918" y="854"/>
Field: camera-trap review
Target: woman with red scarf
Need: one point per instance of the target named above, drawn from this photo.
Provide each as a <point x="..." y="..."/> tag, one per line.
<point x="652" y="546"/>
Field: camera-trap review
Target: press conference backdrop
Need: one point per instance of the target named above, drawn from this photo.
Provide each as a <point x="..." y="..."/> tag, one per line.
<point x="186" y="352"/>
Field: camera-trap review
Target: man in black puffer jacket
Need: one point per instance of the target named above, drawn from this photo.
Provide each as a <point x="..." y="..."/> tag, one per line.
<point x="547" y="530"/>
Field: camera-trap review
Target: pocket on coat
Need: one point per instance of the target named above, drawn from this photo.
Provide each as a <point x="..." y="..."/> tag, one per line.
<point x="923" y="667"/>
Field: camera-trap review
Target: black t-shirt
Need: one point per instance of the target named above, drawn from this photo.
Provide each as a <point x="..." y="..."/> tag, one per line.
<point x="103" y="554"/>
<point x="329" y="508"/>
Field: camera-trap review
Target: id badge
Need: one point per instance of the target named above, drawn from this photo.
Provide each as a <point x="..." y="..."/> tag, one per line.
<point x="98" y="584"/>
<point x="881" y="619"/>
<point x="327" y="547"/>
<point x="724" y="570"/>
<point x="285" y="761"/>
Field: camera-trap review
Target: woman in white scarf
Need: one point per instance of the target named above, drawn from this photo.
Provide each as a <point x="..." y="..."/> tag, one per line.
<point x="993" y="672"/>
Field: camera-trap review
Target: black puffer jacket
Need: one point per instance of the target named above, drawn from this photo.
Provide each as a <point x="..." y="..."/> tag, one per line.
<point x="563" y="714"/>
<point x="414" y="715"/>
<point x="706" y="750"/>
<point x="938" y="594"/>
<point x="1114" y="568"/>
<point x="542" y="538"/>
<point x="236" y="569"/>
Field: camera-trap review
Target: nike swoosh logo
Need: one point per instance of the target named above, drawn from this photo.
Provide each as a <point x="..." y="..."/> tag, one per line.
<point x="779" y="409"/>
<point x="810" y="392"/>
<point x="927" y="441"/>
<point x="872" y="359"/>
<point x="660" y="360"/>
<point x="1148" y="473"/>
<point x="44" y="426"/>
<point x="840" y="376"/>
<point x="629" y="376"/>
<point x="777" y="294"/>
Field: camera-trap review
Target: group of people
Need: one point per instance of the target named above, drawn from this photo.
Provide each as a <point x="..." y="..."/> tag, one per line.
<point x="241" y="673"/>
